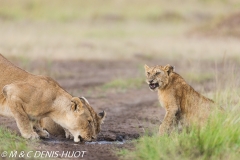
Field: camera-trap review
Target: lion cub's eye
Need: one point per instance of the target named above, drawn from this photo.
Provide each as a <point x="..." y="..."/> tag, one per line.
<point x="157" y="73"/>
<point x="148" y="73"/>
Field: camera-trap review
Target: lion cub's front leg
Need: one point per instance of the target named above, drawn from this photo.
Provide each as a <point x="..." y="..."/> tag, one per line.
<point x="168" y="121"/>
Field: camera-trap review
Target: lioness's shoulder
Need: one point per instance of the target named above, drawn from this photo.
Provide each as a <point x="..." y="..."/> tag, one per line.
<point x="47" y="80"/>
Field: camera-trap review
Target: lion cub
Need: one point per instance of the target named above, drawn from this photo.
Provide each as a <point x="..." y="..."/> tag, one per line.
<point x="182" y="103"/>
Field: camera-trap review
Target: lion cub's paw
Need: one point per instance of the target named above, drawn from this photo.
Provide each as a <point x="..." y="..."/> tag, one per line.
<point x="161" y="131"/>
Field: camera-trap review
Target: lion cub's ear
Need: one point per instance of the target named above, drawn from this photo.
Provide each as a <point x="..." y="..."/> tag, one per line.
<point x="102" y="116"/>
<point x="76" y="105"/>
<point x="168" y="68"/>
<point x="146" y="67"/>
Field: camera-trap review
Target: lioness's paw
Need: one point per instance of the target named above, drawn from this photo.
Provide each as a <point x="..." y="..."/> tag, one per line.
<point x="34" y="135"/>
<point x="71" y="136"/>
<point x="68" y="135"/>
<point x="31" y="136"/>
<point x="44" y="134"/>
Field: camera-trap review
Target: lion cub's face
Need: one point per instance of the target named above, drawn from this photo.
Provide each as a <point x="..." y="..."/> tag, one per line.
<point x="158" y="76"/>
<point x="86" y="123"/>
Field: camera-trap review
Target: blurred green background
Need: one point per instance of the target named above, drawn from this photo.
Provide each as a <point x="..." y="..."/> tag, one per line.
<point x="120" y="29"/>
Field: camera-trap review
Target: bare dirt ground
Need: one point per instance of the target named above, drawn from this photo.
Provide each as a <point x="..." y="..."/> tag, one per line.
<point x="131" y="112"/>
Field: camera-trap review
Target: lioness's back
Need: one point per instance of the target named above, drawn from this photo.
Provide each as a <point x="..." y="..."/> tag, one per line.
<point x="9" y="72"/>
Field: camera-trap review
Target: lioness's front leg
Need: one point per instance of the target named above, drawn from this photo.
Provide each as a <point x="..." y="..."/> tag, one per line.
<point x="168" y="121"/>
<point x="22" y="121"/>
<point x="68" y="134"/>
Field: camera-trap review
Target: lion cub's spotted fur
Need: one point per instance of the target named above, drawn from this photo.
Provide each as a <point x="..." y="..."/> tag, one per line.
<point x="182" y="103"/>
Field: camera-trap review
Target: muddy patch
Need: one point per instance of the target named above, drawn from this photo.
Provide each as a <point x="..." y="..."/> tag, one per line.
<point x="70" y="142"/>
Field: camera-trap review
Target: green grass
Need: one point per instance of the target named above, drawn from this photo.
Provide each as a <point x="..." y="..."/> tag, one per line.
<point x="218" y="139"/>
<point x="9" y="141"/>
<point x="123" y="84"/>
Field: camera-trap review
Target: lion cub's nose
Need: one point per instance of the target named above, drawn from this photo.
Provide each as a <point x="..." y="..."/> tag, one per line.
<point x="150" y="81"/>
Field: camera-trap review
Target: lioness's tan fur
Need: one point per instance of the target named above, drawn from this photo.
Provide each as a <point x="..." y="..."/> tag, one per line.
<point x="55" y="129"/>
<point x="28" y="98"/>
<point x="182" y="103"/>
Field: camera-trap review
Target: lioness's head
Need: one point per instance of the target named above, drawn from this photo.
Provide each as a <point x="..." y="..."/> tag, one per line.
<point x="158" y="76"/>
<point x="86" y="123"/>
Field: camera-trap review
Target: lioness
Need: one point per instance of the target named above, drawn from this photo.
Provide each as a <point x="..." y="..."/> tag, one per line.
<point x="55" y="129"/>
<point x="182" y="103"/>
<point x="28" y="98"/>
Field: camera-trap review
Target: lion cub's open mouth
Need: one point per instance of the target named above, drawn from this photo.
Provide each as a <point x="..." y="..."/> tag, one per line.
<point x="153" y="85"/>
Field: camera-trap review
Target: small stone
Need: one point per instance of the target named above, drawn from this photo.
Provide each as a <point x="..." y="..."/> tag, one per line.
<point x="119" y="138"/>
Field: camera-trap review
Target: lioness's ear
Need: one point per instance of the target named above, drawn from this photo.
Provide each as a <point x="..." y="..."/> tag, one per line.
<point x="83" y="99"/>
<point x="102" y="116"/>
<point x="169" y="68"/>
<point x="146" y="67"/>
<point x="76" y="104"/>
